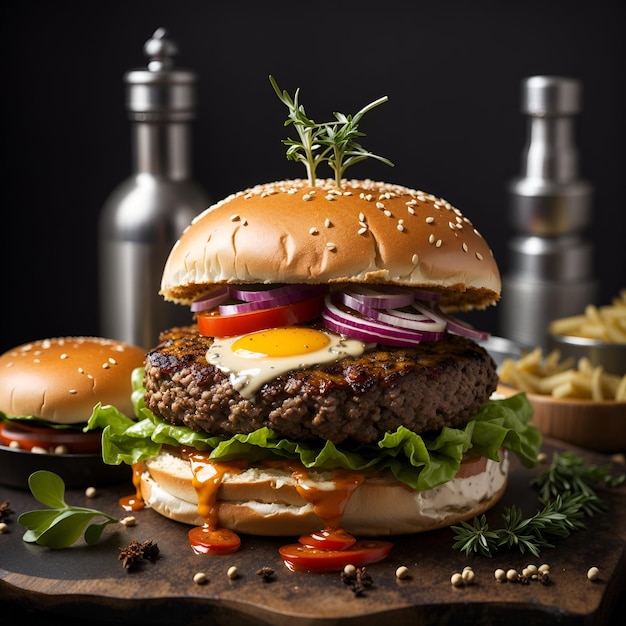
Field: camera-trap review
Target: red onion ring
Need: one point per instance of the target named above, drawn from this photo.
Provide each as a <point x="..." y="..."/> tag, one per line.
<point x="210" y="300"/>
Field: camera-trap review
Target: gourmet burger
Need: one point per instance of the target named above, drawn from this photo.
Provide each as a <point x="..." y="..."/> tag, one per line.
<point x="49" y="387"/>
<point x="324" y="384"/>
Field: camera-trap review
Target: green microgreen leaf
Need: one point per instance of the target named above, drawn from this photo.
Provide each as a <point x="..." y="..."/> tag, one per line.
<point x="332" y="142"/>
<point x="62" y="524"/>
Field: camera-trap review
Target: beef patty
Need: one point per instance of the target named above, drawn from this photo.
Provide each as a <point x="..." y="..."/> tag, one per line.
<point x="436" y="384"/>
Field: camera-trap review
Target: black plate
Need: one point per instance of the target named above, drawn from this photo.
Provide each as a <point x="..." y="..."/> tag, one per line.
<point x="77" y="470"/>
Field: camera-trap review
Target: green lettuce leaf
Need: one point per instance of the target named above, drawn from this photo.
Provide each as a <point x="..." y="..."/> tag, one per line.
<point x="420" y="461"/>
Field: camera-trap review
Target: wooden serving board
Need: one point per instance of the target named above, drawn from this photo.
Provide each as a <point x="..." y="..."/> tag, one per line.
<point x="83" y="583"/>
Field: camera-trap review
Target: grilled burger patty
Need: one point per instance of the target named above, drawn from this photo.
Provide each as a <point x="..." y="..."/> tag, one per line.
<point x="439" y="383"/>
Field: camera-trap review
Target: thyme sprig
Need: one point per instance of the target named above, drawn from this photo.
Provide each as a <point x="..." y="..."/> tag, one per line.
<point x="332" y="142"/>
<point x="566" y="493"/>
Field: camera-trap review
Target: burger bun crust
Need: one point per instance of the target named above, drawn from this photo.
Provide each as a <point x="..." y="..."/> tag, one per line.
<point x="60" y="380"/>
<point x="363" y="232"/>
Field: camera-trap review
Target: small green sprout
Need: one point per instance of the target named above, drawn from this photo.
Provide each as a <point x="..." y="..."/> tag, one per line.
<point x="332" y="142"/>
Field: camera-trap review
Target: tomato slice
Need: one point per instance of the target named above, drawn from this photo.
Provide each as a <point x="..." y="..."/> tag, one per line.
<point x="212" y="324"/>
<point x="329" y="539"/>
<point x="305" y="559"/>
<point x="205" y="540"/>
<point x="28" y="437"/>
<point x="472" y="467"/>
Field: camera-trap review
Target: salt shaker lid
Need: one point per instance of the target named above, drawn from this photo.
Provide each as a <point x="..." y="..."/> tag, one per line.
<point x="551" y="95"/>
<point x="160" y="91"/>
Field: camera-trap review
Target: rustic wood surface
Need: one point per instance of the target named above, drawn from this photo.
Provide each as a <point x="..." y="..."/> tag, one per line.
<point x="88" y="584"/>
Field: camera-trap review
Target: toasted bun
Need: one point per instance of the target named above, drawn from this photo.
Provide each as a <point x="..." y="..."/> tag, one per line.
<point x="374" y="232"/>
<point x="60" y="380"/>
<point x="263" y="501"/>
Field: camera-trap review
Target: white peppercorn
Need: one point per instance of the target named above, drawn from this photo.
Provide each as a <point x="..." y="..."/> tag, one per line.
<point x="593" y="573"/>
<point x="200" y="578"/>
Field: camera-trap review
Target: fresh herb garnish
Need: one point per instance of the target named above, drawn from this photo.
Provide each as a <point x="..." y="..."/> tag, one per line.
<point x="332" y="142"/>
<point x="567" y="496"/>
<point x="62" y="524"/>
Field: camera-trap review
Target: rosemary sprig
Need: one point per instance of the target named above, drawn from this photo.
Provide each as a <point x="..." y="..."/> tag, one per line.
<point x="565" y="490"/>
<point x="332" y="142"/>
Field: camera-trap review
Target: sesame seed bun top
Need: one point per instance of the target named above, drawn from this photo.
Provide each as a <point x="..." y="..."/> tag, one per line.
<point x="60" y="380"/>
<point x="363" y="232"/>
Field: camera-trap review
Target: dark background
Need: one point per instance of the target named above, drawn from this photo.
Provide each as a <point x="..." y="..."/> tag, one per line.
<point x="452" y="71"/>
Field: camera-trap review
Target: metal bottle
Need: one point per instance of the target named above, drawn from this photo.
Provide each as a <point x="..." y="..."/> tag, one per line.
<point x="550" y="263"/>
<point x="144" y="216"/>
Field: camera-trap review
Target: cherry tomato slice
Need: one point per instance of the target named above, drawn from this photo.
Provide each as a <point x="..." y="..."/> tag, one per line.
<point x="28" y="437"/>
<point x="212" y="324"/>
<point x="204" y="540"/>
<point x="299" y="558"/>
<point x="329" y="539"/>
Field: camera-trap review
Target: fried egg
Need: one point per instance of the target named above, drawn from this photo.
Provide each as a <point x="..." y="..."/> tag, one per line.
<point x="255" y="358"/>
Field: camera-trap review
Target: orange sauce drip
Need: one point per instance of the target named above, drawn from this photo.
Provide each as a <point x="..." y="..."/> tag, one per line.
<point x="207" y="479"/>
<point x="328" y="504"/>
<point x="134" y="502"/>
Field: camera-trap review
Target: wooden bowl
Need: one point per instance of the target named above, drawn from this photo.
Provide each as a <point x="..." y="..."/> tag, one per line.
<point x="590" y="424"/>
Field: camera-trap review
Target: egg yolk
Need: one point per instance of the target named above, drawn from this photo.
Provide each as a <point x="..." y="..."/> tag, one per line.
<point x="280" y="342"/>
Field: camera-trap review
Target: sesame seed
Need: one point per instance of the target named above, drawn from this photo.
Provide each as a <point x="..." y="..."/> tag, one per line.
<point x="452" y="225"/>
<point x="112" y="361"/>
<point x="387" y="213"/>
<point x="64" y="356"/>
<point x="81" y="370"/>
<point x="314" y="231"/>
<point x="400" y="227"/>
<point x="361" y="218"/>
<point x="430" y="220"/>
<point x="327" y="223"/>
<point x="465" y="248"/>
<point x="234" y="218"/>
<point x="362" y="231"/>
<point x="411" y="210"/>
<point x="244" y="221"/>
<point x="306" y="197"/>
<point x="330" y="196"/>
<point x="380" y="205"/>
<point x="438" y="244"/>
<point x="73" y="391"/>
<point x="331" y="246"/>
<point x="106" y="366"/>
<point x="479" y="256"/>
<point x="431" y="239"/>
<point x="415" y="259"/>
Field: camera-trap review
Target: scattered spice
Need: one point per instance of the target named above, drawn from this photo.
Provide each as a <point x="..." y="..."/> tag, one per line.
<point x="232" y="572"/>
<point x="402" y="572"/>
<point x="358" y="580"/>
<point x="593" y="573"/>
<point x="90" y="492"/>
<point x="135" y="552"/>
<point x="200" y="578"/>
<point x="5" y="511"/>
<point x="266" y="573"/>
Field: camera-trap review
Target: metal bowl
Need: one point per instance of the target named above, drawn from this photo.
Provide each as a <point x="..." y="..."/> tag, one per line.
<point x="611" y="356"/>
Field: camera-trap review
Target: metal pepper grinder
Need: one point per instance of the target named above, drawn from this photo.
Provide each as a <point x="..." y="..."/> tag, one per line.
<point x="145" y="214"/>
<point x="550" y="264"/>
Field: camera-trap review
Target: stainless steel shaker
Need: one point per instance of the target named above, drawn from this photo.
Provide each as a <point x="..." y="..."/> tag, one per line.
<point x="550" y="261"/>
<point x="145" y="214"/>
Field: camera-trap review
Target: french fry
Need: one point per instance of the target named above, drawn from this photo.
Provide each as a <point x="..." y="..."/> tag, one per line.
<point x="549" y="375"/>
<point x="604" y="323"/>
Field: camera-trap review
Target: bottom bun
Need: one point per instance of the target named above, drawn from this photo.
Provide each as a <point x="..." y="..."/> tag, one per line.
<point x="265" y="501"/>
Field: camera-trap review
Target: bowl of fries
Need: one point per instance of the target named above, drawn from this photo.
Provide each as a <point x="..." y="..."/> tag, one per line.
<point x="598" y="334"/>
<point x="573" y="399"/>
